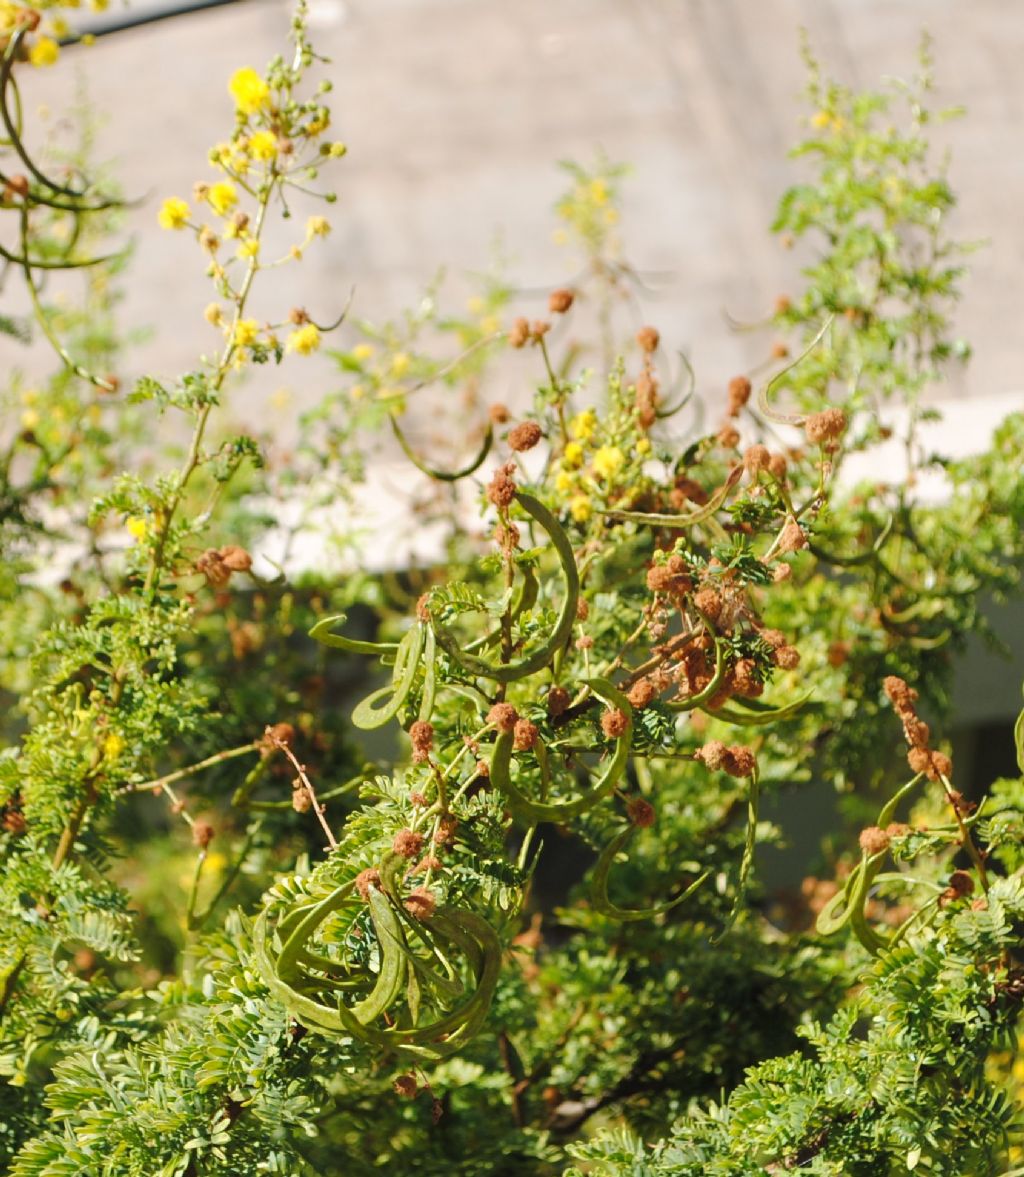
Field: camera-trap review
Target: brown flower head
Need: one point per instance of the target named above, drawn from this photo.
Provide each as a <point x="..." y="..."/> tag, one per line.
<point x="420" y="903"/>
<point x="235" y="558"/>
<point x="519" y="335"/>
<point x="503" y="716"/>
<point x="648" y="338"/>
<point x="787" y="657"/>
<point x="498" y="413"/>
<point x="501" y="490"/>
<point x="524" y="436"/>
<point x="792" y="538"/>
<point x="641" y="694"/>
<point x="407" y="843"/>
<point x="422" y="736"/>
<point x="739" y="394"/>
<point x="640" y="812"/>
<point x="406" y="1086"/>
<point x="525" y="735"/>
<point x="558" y="701"/>
<point x="712" y="755"/>
<point x="873" y="840"/>
<point x="367" y="879"/>
<point x="614" y="723"/>
<point x="739" y="761"/>
<point x="756" y="459"/>
<point x="559" y="301"/>
<point x="827" y="426"/>
<point x="202" y="834"/>
<point x="211" y="564"/>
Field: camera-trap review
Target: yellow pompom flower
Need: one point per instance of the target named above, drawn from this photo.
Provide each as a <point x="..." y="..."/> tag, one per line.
<point x="44" y="52"/>
<point x="249" y="248"/>
<point x="643" y="446"/>
<point x="563" y="482"/>
<point x="174" y="213"/>
<point x="113" y="745"/>
<point x="608" y="461"/>
<point x="245" y="333"/>
<point x="400" y="364"/>
<point x="337" y="150"/>
<point x="583" y="424"/>
<point x="821" y="119"/>
<point x="363" y="352"/>
<point x="222" y="197"/>
<point x="136" y="527"/>
<point x="317" y="227"/>
<point x="573" y="456"/>
<point x="263" y="146"/>
<point x="249" y="90"/>
<point x="580" y="508"/>
<point x="304" y="339"/>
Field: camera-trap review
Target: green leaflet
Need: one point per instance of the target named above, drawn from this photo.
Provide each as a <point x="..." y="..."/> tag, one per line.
<point x="444" y="475"/>
<point x="599" y="899"/>
<point x="538" y="811"/>
<point x="321" y="633"/>
<point x="566" y="618"/>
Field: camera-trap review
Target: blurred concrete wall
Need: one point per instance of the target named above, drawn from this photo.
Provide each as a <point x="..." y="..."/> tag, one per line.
<point x="456" y="112"/>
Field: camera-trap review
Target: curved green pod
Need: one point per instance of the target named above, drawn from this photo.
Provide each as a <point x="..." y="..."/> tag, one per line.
<point x="690" y="518"/>
<point x="367" y="715"/>
<point x="429" y="676"/>
<point x="599" y="899"/>
<point x="863" y="557"/>
<point x="509" y="672"/>
<point x="321" y="632"/>
<point x="537" y="811"/>
<point x="444" y="475"/>
<point x="760" y="716"/>
<point x="461" y="1023"/>
<point x="694" y="701"/>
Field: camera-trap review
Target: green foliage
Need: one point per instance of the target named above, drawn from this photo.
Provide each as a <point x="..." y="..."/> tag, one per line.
<point x="251" y="927"/>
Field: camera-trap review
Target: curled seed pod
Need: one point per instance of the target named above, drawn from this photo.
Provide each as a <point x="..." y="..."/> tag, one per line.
<point x="599" y="885"/>
<point x="537" y="811"/>
<point x="560" y="634"/>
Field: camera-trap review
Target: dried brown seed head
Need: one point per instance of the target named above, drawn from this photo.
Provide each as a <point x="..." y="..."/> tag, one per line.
<point x="420" y="903"/>
<point x="712" y="755"/>
<point x="519" y="335"/>
<point x="559" y="301"/>
<point x="558" y="701"/>
<point x="503" y="716"/>
<point x="827" y="426"/>
<point x="756" y="459"/>
<point x="792" y="538"/>
<point x="873" y="840"/>
<point x="648" y="338"/>
<point x="502" y="489"/>
<point x="614" y="723"/>
<point x="640" y="812"/>
<point x="740" y="761"/>
<point x="641" y="694"/>
<point x="235" y="558"/>
<point x="739" y="394"/>
<point x="407" y="843"/>
<point x="525" y="735"/>
<point x="202" y="834"/>
<point x="524" y="436"/>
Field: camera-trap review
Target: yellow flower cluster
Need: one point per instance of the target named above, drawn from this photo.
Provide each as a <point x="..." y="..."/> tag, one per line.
<point x="589" y="211"/>
<point x="250" y="92"/>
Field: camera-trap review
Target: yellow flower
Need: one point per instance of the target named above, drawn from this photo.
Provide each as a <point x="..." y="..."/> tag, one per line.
<point x="99" y="5"/>
<point x="643" y="446"/>
<point x="136" y="527"/>
<point x="400" y="364"/>
<point x="608" y="461"/>
<point x="214" y="314"/>
<point x="263" y="145"/>
<point x="304" y="339"/>
<point x="363" y="351"/>
<point x="573" y="455"/>
<point x="476" y="305"/>
<point x="113" y="745"/>
<point x="222" y="197"/>
<point x="598" y="191"/>
<point x="489" y="324"/>
<point x="250" y="247"/>
<point x="318" y="227"/>
<point x="580" y="508"/>
<point x="821" y="119"/>
<point x="44" y="52"/>
<point x="337" y="150"/>
<point x="249" y="90"/>
<point x="319" y="123"/>
<point x="563" y="482"/>
<point x="583" y="424"/>
<point x="245" y="333"/>
<point x="29" y="419"/>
